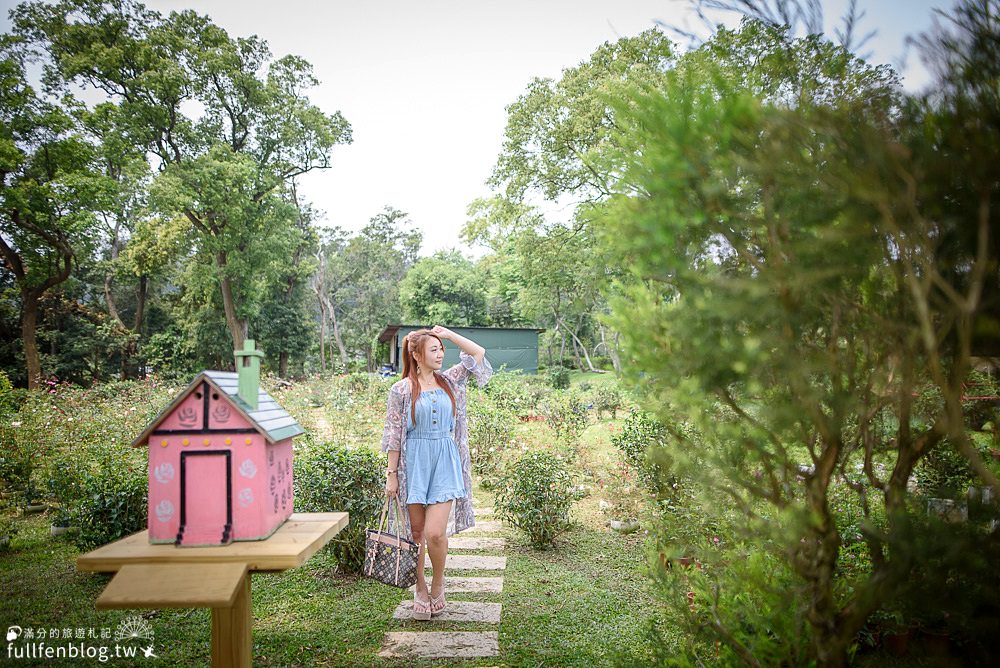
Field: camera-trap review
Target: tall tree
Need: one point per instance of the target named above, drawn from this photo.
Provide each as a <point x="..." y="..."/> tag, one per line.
<point x="443" y="288"/>
<point x="329" y="285"/>
<point x="378" y="258"/>
<point x="225" y="168"/>
<point x="49" y="190"/>
<point x="802" y="269"/>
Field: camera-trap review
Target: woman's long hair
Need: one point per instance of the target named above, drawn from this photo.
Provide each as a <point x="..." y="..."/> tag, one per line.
<point x="417" y="340"/>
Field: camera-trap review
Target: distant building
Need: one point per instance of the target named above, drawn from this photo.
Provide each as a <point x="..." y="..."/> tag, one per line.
<point x="515" y="347"/>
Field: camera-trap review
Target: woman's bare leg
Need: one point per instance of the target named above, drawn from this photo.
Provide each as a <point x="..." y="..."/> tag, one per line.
<point x="417" y="520"/>
<point x="435" y="524"/>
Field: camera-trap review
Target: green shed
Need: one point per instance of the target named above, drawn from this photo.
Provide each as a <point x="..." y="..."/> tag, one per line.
<point x="517" y="348"/>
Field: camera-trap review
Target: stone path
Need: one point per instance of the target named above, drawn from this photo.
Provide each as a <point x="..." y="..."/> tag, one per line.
<point x="457" y="644"/>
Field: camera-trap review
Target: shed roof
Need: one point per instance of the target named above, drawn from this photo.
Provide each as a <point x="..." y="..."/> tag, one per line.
<point x="269" y="418"/>
<point x="390" y="330"/>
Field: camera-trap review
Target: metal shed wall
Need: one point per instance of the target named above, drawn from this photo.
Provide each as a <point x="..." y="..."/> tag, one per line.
<point x="517" y="348"/>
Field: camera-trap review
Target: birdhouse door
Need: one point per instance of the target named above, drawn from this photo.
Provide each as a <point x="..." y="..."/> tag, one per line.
<point x="206" y="498"/>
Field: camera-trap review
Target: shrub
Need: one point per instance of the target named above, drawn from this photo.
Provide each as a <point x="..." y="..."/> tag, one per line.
<point x="608" y="398"/>
<point x="565" y="413"/>
<point x="943" y="472"/>
<point x="559" y="378"/>
<point x="330" y="477"/>
<point x="491" y="430"/>
<point x="642" y="440"/>
<point x="535" y="496"/>
<point x="508" y="390"/>
<point x="113" y="500"/>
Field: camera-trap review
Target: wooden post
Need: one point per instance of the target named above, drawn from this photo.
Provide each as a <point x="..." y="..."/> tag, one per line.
<point x="232" y="643"/>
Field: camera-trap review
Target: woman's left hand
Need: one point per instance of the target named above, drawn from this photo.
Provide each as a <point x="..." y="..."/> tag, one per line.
<point x="442" y="333"/>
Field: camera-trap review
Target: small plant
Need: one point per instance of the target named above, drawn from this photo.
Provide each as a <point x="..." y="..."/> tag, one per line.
<point x="535" y="496"/>
<point x="566" y="414"/>
<point x="491" y="431"/>
<point x="334" y="478"/>
<point x="508" y="390"/>
<point x="559" y="378"/>
<point x="641" y="440"/>
<point x="943" y="472"/>
<point x="114" y="499"/>
<point x="608" y="399"/>
<point x="8" y="526"/>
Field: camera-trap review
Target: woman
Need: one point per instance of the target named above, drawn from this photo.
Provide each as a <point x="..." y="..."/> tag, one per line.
<point x="426" y="437"/>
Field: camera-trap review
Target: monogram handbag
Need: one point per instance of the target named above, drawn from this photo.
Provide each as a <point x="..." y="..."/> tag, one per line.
<point x="389" y="558"/>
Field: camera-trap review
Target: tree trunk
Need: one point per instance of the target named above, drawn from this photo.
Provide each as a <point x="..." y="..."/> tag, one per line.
<point x="109" y="299"/>
<point x="322" y="336"/>
<point x="237" y="327"/>
<point x="140" y="303"/>
<point x="821" y="550"/>
<point x="612" y="351"/>
<point x="338" y="339"/>
<point x="29" y="324"/>
<point x="590" y="365"/>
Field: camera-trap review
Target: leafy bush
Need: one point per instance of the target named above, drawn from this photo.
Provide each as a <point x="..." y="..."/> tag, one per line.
<point x="565" y="413"/>
<point x="491" y="430"/>
<point x="944" y="473"/>
<point x="642" y="440"/>
<point x="113" y="502"/>
<point x="559" y="378"/>
<point x="508" y="390"/>
<point x="608" y="398"/>
<point x="535" y="496"/>
<point x="330" y="477"/>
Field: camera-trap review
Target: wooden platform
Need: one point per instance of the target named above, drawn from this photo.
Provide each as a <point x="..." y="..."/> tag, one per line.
<point x="289" y="547"/>
<point x="218" y="577"/>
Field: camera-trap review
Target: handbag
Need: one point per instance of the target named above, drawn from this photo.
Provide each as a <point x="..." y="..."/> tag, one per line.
<point x="389" y="558"/>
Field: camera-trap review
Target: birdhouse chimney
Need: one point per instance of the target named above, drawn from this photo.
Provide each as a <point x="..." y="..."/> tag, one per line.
<point x="248" y="368"/>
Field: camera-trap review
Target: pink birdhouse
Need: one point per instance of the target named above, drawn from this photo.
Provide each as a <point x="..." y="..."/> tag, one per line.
<point x="220" y="459"/>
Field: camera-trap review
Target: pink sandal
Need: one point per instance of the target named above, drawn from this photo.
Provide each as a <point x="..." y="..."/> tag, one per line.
<point x="421" y="609"/>
<point x="438" y="604"/>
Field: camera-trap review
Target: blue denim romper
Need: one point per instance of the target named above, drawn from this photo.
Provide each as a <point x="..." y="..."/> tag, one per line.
<point x="433" y="466"/>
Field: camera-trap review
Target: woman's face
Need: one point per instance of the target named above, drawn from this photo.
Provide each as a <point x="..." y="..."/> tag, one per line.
<point x="433" y="356"/>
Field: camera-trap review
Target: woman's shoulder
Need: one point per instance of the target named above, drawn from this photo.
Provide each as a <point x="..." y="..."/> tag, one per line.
<point x="401" y="386"/>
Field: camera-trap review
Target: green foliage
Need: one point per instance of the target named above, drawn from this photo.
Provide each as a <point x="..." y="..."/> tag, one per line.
<point x="781" y="212"/>
<point x="513" y="391"/>
<point x="643" y="442"/>
<point x="559" y="377"/>
<point x="113" y="497"/>
<point x="608" y="398"/>
<point x="491" y="431"/>
<point x="373" y="263"/>
<point x="750" y="594"/>
<point x="443" y="288"/>
<point x="535" y="495"/>
<point x="565" y="413"/>
<point x="944" y="473"/>
<point x="330" y="477"/>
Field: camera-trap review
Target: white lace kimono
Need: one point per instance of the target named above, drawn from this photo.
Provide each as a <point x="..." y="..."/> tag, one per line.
<point x="394" y="438"/>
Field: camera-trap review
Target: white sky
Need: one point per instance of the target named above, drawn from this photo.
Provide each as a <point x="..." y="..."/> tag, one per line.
<point x="424" y="84"/>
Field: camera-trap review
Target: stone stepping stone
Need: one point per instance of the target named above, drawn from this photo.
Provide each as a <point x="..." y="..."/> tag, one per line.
<point x="438" y="644"/>
<point x="454" y="585"/>
<point x="467" y="562"/>
<point x="491" y="526"/>
<point x="482" y="512"/>
<point x="457" y="611"/>
<point x="476" y="543"/>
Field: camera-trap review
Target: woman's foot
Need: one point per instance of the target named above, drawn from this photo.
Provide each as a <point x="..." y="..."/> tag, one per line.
<point x="438" y="603"/>
<point x="421" y="607"/>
